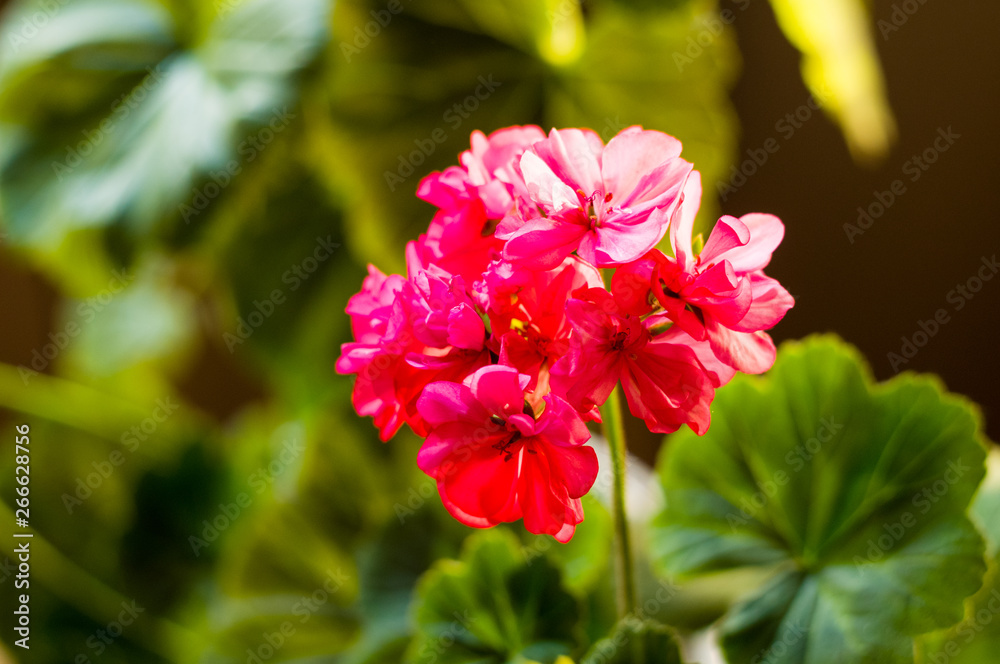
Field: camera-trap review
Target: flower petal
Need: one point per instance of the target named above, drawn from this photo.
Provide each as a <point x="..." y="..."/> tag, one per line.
<point x="620" y="240"/>
<point x="498" y="389"/>
<point x="749" y="352"/>
<point x="545" y="503"/>
<point x="445" y="401"/>
<point x="766" y="233"/>
<point x="770" y="304"/>
<point x="729" y="233"/>
<point x="630" y="158"/>
<point x="545" y="186"/>
<point x="682" y="225"/>
<point x="666" y="386"/>
<point x="543" y="243"/>
<point x="574" y="156"/>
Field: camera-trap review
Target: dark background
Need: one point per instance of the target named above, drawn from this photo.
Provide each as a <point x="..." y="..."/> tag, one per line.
<point x="942" y="67"/>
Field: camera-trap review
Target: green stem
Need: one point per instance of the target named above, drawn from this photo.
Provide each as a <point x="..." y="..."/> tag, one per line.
<point x="614" y="432"/>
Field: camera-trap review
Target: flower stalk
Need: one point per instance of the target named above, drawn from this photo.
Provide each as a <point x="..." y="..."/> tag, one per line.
<point x="614" y="432"/>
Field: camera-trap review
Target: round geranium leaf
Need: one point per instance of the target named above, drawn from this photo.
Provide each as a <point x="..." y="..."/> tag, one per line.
<point x="853" y="493"/>
<point x="493" y="606"/>
<point x="636" y="641"/>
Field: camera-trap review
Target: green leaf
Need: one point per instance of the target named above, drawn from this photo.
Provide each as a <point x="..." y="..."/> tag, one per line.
<point x="636" y="642"/>
<point x="852" y="494"/>
<point x="840" y="66"/>
<point x="550" y="29"/>
<point x="986" y="508"/>
<point x="149" y="320"/>
<point x="976" y="639"/>
<point x="389" y="568"/>
<point x="151" y="118"/>
<point x="586" y="559"/>
<point x="493" y="606"/>
<point x="282" y="535"/>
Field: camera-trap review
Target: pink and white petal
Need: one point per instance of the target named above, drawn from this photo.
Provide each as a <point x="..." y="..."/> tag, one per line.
<point x="660" y="188"/>
<point x="472" y="159"/>
<point x="766" y="233"/>
<point x="682" y="224"/>
<point x="630" y="156"/>
<point x="621" y="240"/>
<point x="497" y="153"/>
<point x="510" y="224"/>
<point x="749" y="352"/>
<point x="496" y="198"/>
<point x="546" y="187"/>
<point x="574" y="156"/>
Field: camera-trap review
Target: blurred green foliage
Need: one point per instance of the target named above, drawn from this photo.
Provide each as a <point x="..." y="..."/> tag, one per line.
<point x="202" y="183"/>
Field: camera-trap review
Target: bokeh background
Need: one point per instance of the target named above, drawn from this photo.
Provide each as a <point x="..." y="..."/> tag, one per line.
<point x="190" y="191"/>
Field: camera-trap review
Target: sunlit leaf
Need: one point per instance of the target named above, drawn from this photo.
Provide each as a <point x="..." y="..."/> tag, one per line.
<point x="840" y="66"/>
<point x="551" y="29"/>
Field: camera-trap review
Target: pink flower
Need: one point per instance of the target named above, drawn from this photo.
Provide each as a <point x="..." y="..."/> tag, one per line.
<point x="495" y="460"/>
<point x="409" y="333"/>
<point x="376" y="355"/>
<point x="472" y="199"/>
<point x="665" y="382"/>
<point x="609" y="204"/>
<point x="440" y="310"/>
<point x="720" y="294"/>
<point x="502" y="339"/>
<point x="460" y="237"/>
<point x="492" y="165"/>
<point x="527" y="312"/>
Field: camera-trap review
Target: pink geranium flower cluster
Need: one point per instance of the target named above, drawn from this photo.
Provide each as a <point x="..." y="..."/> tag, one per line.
<point x="503" y="338"/>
